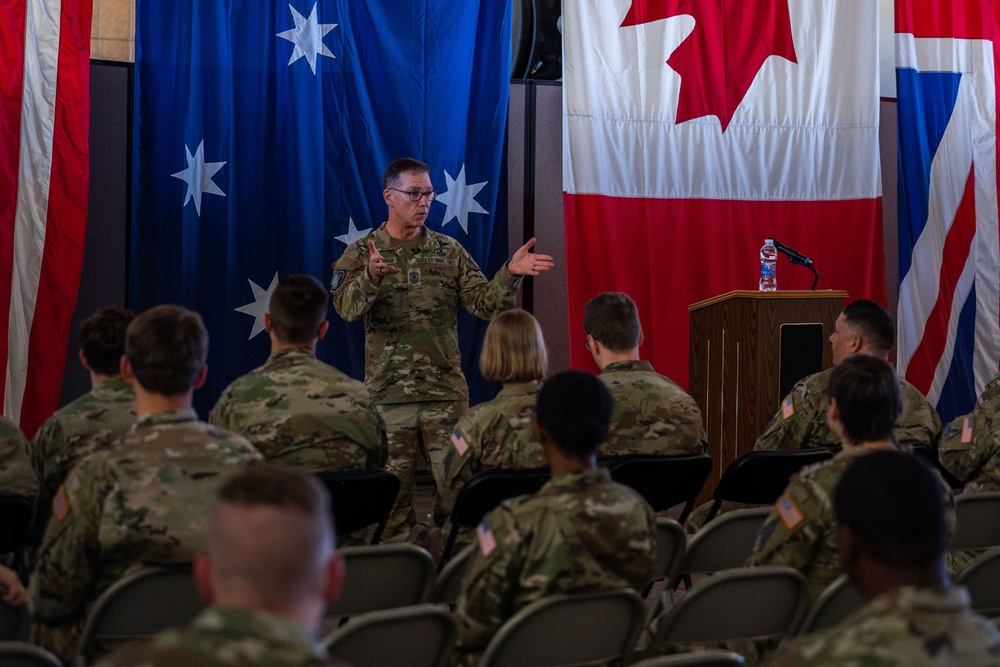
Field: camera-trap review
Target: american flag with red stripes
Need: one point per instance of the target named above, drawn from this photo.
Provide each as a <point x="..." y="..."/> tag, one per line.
<point x="44" y="179"/>
<point x="949" y="248"/>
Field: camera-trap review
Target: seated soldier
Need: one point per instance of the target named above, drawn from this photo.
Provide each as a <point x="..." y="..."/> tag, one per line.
<point x="864" y="403"/>
<point x="500" y="433"/>
<point x="269" y="573"/>
<point x="11" y="588"/>
<point x="863" y="328"/>
<point x="892" y="533"/>
<point x="580" y="532"/>
<point x="653" y="415"/>
<point x="295" y="408"/>
<point x="99" y="417"/>
<point x="144" y="499"/>
<point x="17" y="477"/>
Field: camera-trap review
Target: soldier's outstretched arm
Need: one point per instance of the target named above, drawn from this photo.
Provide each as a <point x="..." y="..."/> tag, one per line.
<point x="353" y="288"/>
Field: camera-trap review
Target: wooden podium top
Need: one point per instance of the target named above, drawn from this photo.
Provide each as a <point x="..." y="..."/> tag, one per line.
<point x="777" y="294"/>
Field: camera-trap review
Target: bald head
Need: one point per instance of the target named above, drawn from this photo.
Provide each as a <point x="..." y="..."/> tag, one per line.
<point x="270" y="540"/>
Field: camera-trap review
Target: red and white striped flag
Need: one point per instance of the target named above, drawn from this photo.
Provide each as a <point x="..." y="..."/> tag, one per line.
<point x="695" y="129"/>
<point x="44" y="180"/>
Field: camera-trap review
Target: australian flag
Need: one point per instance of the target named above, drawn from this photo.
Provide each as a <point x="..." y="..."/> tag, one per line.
<point x="949" y="248"/>
<point x="261" y="131"/>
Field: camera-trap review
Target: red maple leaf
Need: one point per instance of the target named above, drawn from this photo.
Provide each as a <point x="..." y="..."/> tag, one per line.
<point x="720" y="58"/>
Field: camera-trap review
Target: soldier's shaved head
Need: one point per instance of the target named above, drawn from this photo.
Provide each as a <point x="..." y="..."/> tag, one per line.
<point x="270" y="538"/>
<point x="297" y="309"/>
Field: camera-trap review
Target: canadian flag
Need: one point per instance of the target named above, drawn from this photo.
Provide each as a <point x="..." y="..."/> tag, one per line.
<point x="695" y="129"/>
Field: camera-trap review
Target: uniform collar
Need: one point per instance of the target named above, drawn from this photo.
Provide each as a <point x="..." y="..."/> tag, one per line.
<point x="260" y="625"/>
<point x="292" y="352"/>
<point x="170" y="417"/>
<point x="632" y="365"/>
<point x="519" y="389"/>
<point x="426" y="239"/>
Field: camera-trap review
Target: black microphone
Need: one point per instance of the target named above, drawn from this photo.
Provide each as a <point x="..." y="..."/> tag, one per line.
<point x="794" y="256"/>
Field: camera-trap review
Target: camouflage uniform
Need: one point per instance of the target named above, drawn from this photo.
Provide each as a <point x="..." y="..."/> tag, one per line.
<point x="906" y="627"/>
<point x="652" y="414"/>
<point x="801" y="420"/>
<point x="299" y="410"/>
<point x="801" y="529"/>
<point x="223" y="636"/>
<point x="580" y="532"/>
<point x="91" y="422"/>
<point x="495" y="434"/>
<point x="412" y="360"/>
<point x="143" y="501"/>
<point x="970" y="450"/>
<point x="16" y="475"/>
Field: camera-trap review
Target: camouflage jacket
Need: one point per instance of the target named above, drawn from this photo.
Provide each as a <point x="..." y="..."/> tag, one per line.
<point x="17" y="478"/>
<point x="224" y="636"/>
<point x="299" y="410"/>
<point x="801" y="419"/>
<point x="991" y="392"/>
<point x="495" y="434"/>
<point x="143" y="501"/>
<point x="411" y="337"/>
<point x="91" y="422"/>
<point x="652" y="415"/>
<point x="580" y="532"/>
<point x="906" y="627"/>
<point x="970" y="447"/>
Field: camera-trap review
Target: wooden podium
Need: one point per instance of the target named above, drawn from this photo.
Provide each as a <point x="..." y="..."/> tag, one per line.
<point x="740" y="350"/>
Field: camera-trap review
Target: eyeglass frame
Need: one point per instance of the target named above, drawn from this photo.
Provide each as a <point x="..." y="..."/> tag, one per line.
<point x="431" y="195"/>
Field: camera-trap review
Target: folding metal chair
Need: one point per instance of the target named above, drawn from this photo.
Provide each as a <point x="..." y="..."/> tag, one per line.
<point x="448" y="585"/>
<point x="360" y="499"/>
<point x="23" y="654"/>
<point x="383" y="577"/>
<point x="418" y="636"/>
<point x="723" y="543"/>
<point x="837" y="602"/>
<point x="664" y="481"/>
<point x="982" y="578"/>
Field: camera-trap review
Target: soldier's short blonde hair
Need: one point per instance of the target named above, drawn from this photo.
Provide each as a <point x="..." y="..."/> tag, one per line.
<point x="514" y="349"/>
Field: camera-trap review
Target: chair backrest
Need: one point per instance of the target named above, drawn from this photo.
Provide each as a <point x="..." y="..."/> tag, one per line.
<point x="982" y="578"/>
<point x="977" y="521"/>
<point x="724" y="542"/>
<point x="143" y="604"/>
<point x="580" y="628"/>
<point x="760" y="477"/>
<point x="22" y="654"/>
<point x="710" y="658"/>
<point x="929" y="455"/>
<point x="360" y="499"/>
<point x="383" y="577"/>
<point x="664" y="481"/>
<point x="750" y="603"/>
<point x="15" y="522"/>
<point x="486" y="490"/>
<point x="671" y="541"/>
<point x="837" y="602"/>
<point x="418" y="636"/>
<point x="14" y="622"/>
<point x="448" y="585"/>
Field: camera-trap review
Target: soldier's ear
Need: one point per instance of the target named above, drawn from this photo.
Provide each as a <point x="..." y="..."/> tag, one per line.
<point x="125" y="368"/>
<point x="267" y="322"/>
<point x="199" y="379"/>
<point x="202" y="570"/>
<point x="334" y="578"/>
<point x="323" y="328"/>
<point x="83" y="360"/>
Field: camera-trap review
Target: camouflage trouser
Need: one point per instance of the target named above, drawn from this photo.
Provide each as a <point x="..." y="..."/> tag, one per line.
<point x="424" y="426"/>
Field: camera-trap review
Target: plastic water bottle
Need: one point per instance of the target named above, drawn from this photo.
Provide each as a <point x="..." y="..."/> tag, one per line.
<point x="768" y="266"/>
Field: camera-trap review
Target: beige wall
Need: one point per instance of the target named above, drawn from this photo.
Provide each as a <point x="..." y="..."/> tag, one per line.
<point x="113" y="31"/>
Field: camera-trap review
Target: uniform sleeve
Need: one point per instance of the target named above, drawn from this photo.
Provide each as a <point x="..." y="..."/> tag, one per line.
<point x="68" y="559"/>
<point x="485" y="299"/>
<point x="793" y="531"/>
<point x="967" y="444"/>
<point x="919" y="425"/>
<point x="792" y="424"/>
<point x="378" y="452"/>
<point x="222" y="413"/>
<point x="487" y="597"/>
<point x="460" y="466"/>
<point x="17" y="475"/>
<point x="353" y="290"/>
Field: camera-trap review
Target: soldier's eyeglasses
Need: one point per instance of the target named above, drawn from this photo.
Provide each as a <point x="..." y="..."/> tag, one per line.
<point x="416" y="195"/>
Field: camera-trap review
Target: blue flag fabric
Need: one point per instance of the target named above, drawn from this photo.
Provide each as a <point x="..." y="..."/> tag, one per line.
<point x="260" y="137"/>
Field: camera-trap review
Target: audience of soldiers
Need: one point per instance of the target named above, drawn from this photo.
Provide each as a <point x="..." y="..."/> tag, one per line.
<point x="135" y="479"/>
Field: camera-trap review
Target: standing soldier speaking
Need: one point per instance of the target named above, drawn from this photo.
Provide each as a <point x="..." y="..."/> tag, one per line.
<point x="407" y="281"/>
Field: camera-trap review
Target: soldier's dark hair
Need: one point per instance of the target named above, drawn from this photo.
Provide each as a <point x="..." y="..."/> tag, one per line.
<point x="514" y="348"/>
<point x="868" y="398"/>
<point x="298" y="307"/>
<point x="167" y="346"/>
<point x="287" y="556"/>
<point x="894" y="505"/>
<point x="613" y="320"/>
<point x="102" y="339"/>
<point x="873" y="323"/>
<point x="399" y="166"/>
<point x="575" y="409"/>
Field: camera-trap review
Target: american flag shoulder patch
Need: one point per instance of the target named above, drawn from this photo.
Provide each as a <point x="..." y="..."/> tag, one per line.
<point x="459" y="443"/>
<point x="788" y="511"/>
<point x="60" y="504"/>
<point x="967" y="431"/>
<point x="787" y="407"/>
<point x="487" y="543"/>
